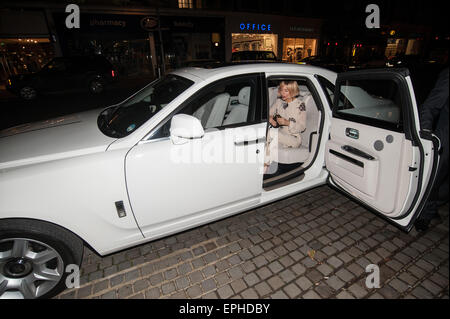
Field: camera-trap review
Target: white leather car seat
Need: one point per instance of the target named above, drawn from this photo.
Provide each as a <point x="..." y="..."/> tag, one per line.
<point x="212" y="113"/>
<point x="238" y="112"/>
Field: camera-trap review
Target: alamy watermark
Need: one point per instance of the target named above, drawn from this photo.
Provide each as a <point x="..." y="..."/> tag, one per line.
<point x="373" y="279"/>
<point x="73" y="279"/>
<point x="73" y="19"/>
<point x="373" y="19"/>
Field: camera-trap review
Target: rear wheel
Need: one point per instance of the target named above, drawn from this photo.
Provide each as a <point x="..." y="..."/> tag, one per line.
<point x="33" y="258"/>
<point x="96" y="86"/>
<point x="28" y="93"/>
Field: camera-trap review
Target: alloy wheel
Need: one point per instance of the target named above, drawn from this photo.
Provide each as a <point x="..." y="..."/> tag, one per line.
<point x="28" y="268"/>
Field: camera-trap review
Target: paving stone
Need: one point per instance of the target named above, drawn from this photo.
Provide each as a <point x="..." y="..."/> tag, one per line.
<point x="335" y="283"/>
<point x="275" y="282"/>
<point x="251" y="279"/>
<point x="196" y="276"/>
<point x="238" y="285"/>
<point x="156" y="279"/>
<point x="431" y="287"/>
<point x="109" y="295"/>
<point x="292" y="290"/>
<point x="439" y="280"/>
<point x="344" y="295"/>
<point x="324" y="290"/>
<point x="421" y="293"/>
<point x="399" y="285"/>
<point x="168" y="288"/>
<point x="311" y="295"/>
<point x="334" y="262"/>
<point x="84" y="291"/>
<point x="140" y="285"/>
<point x="125" y="291"/>
<point x="249" y="293"/>
<point x="208" y="285"/>
<point x="388" y="292"/>
<point x="421" y="263"/>
<point x="345" y="275"/>
<point x="304" y="283"/>
<point x="222" y="278"/>
<point x="407" y="278"/>
<point x="279" y="295"/>
<point x="194" y="291"/>
<point x="182" y="282"/>
<point x="263" y="289"/>
<point x="325" y="269"/>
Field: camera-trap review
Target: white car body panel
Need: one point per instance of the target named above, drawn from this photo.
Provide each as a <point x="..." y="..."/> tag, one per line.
<point x="85" y="172"/>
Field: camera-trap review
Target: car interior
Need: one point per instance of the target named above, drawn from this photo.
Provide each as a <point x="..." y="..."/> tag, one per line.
<point x="292" y="162"/>
<point x="224" y="109"/>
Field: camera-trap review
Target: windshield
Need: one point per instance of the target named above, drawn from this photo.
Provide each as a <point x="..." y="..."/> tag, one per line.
<point x="123" y="119"/>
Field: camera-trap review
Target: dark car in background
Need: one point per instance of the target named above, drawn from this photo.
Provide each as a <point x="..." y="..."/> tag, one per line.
<point x="91" y="73"/>
<point x="246" y="56"/>
<point x="326" y="62"/>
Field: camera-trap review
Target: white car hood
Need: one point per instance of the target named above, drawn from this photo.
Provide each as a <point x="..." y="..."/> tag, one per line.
<point x="62" y="137"/>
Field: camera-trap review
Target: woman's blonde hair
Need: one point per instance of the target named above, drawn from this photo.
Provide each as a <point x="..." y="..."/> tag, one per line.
<point x="292" y="87"/>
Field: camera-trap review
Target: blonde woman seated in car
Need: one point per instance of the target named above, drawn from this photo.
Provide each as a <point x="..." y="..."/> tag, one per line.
<point x="287" y="117"/>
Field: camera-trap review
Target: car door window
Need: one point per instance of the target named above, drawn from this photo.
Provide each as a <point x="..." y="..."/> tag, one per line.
<point x="227" y="103"/>
<point x="370" y="101"/>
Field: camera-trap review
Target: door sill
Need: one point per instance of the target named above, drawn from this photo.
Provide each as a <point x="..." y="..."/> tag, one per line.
<point x="284" y="183"/>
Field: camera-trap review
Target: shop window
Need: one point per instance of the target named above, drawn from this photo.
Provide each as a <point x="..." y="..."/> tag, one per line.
<point x="296" y="49"/>
<point x="254" y="42"/>
<point x="185" y="4"/>
<point x="24" y="55"/>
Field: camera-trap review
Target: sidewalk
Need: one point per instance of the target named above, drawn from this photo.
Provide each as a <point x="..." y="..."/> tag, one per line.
<point x="313" y="245"/>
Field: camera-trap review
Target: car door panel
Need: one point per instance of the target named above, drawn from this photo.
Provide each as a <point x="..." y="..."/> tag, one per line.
<point x="379" y="180"/>
<point x="376" y="153"/>
<point x="196" y="177"/>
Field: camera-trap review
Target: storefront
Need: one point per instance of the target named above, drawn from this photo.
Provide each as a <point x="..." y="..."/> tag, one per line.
<point x="25" y="42"/>
<point x="291" y="39"/>
<point x="136" y="43"/>
<point x="405" y="39"/>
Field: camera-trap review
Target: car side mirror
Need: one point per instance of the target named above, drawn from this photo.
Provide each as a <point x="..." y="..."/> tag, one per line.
<point x="185" y="127"/>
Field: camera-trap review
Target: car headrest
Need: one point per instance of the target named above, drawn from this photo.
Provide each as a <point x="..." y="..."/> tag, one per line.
<point x="244" y="95"/>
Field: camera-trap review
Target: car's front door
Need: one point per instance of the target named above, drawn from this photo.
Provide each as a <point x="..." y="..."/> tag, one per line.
<point x="376" y="152"/>
<point x="174" y="186"/>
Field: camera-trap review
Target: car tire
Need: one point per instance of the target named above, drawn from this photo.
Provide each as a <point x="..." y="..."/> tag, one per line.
<point x="96" y="86"/>
<point x="34" y="256"/>
<point x="28" y="93"/>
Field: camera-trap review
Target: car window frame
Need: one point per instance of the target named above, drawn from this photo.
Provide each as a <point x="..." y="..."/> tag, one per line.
<point x="256" y="112"/>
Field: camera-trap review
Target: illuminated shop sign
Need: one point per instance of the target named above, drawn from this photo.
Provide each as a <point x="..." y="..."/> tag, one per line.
<point x="255" y="27"/>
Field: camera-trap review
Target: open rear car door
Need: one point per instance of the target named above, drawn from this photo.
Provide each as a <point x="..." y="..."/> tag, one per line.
<point x="376" y="152"/>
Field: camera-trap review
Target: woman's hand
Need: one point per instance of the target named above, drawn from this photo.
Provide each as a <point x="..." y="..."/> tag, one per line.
<point x="272" y="122"/>
<point x="283" y="122"/>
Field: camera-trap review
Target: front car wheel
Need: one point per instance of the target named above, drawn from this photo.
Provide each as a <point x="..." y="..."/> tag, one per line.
<point x="33" y="258"/>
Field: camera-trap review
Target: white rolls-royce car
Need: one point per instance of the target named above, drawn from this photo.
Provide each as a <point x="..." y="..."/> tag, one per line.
<point x="189" y="149"/>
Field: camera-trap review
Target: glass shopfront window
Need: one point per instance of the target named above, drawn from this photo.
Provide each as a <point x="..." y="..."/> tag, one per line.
<point x="254" y="42"/>
<point x="24" y="55"/>
<point x="295" y="49"/>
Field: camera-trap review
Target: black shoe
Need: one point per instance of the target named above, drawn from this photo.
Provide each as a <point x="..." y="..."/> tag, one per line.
<point x="422" y="224"/>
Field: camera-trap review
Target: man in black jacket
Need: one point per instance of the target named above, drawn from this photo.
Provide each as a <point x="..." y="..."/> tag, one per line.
<point x="434" y="118"/>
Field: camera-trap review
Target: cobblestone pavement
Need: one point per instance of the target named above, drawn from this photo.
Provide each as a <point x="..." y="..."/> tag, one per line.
<point x="313" y="245"/>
